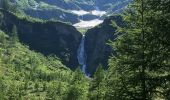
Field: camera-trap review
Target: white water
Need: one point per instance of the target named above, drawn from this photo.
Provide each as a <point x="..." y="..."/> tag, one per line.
<point x="81" y="55"/>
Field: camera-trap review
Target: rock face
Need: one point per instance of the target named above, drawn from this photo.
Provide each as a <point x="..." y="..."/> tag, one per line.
<point x="96" y="47"/>
<point x="59" y="15"/>
<point x="53" y="14"/>
<point x="46" y="37"/>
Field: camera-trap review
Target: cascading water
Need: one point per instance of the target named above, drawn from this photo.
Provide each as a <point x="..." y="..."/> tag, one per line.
<point x="81" y="55"/>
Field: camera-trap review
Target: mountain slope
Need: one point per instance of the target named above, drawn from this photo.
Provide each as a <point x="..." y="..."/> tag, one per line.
<point x="62" y="9"/>
<point x="25" y="74"/>
<point x="96" y="39"/>
<point x="46" y="37"/>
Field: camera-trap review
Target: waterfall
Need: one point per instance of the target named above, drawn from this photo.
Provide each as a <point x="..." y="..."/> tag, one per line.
<point x="81" y="55"/>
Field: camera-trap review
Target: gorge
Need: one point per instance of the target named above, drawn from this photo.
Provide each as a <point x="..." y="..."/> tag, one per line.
<point x="73" y="48"/>
<point x="84" y="50"/>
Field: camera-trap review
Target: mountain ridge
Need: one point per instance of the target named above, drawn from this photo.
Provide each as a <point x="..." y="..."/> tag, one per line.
<point x="46" y="37"/>
<point x="61" y="9"/>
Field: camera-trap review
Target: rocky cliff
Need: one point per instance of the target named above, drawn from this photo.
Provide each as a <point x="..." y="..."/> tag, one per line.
<point x="47" y="37"/>
<point x="96" y="39"/>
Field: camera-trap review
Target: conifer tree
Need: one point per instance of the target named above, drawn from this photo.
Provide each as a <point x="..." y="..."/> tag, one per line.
<point x="4" y="4"/>
<point x="1" y="18"/>
<point x="79" y="87"/>
<point x="142" y="51"/>
<point x="96" y="89"/>
<point x="2" y="88"/>
<point x="14" y="35"/>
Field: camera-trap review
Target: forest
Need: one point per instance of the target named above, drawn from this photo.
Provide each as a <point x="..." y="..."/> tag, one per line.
<point x="139" y="68"/>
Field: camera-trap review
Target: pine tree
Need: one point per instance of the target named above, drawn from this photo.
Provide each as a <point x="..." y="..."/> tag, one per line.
<point x="97" y="87"/>
<point x="159" y="21"/>
<point x="4" y="4"/>
<point x="14" y="35"/>
<point x="1" y="18"/>
<point x="2" y="88"/>
<point x="143" y="51"/>
<point x="3" y="37"/>
<point x="79" y="87"/>
<point x="36" y="86"/>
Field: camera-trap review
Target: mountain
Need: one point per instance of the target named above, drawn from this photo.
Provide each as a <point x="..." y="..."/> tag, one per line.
<point x="25" y="74"/>
<point x="47" y="37"/>
<point x="84" y="50"/>
<point x="62" y="39"/>
<point x="96" y="43"/>
<point x="70" y="10"/>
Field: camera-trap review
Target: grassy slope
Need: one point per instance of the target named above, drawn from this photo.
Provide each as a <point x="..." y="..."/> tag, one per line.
<point x="28" y="73"/>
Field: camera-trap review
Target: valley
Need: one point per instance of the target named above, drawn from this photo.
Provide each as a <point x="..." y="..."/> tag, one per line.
<point x="84" y="50"/>
<point x="83" y="15"/>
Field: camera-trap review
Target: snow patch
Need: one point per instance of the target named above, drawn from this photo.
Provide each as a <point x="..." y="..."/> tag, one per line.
<point x="36" y="6"/>
<point x="88" y="24"/>
<point x="98" y="13"/>
<point x="80" y="12"/>
<point x="93" y="12"/>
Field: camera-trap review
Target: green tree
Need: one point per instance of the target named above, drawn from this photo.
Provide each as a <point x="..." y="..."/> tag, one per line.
<point x="44" y="86"/>
<point x="1" y="18"/>
<point x="13" y="92"/>
<point x="14" y="35"/>
<point x="8" y="6"/>
<point x="36" y="86"/>
<point x="79" y="87"/>
<point x="3" y="38"/>
<point x="142" y="52"/>
<point x="2" y="89"/>
<point x="5" y="4"/>
<point x="55" y="91"/>
<point x="97" y="86"/>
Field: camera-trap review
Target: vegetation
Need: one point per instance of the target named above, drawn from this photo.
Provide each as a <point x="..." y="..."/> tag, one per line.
<point x="140" y="70"/>
<point x="141" y="67"/>
<point x="8" y="6"/>
<point x="26" y="74"/>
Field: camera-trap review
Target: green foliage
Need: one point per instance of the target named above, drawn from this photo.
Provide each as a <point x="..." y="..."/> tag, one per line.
<point x="14" y="35"/>
<point x="79" y="87"/>
<point x="97" y="88"/>
<point x="5" y="4"/>
<point x="140" y="68"/>
<point x="8" y="6"/>
<point x="1" y="18"/>
<point x="24" y="73"/>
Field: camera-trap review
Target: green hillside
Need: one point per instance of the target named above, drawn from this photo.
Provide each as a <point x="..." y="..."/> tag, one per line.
<point x="125" y="57"/>
<point x="27" y="74"/>
<point x="46" y="37"/>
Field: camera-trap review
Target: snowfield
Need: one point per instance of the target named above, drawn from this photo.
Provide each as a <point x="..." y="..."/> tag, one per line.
<point x="98" y="13"/>
<point x="80" y="12"/>
<point x="88" y="24"/>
